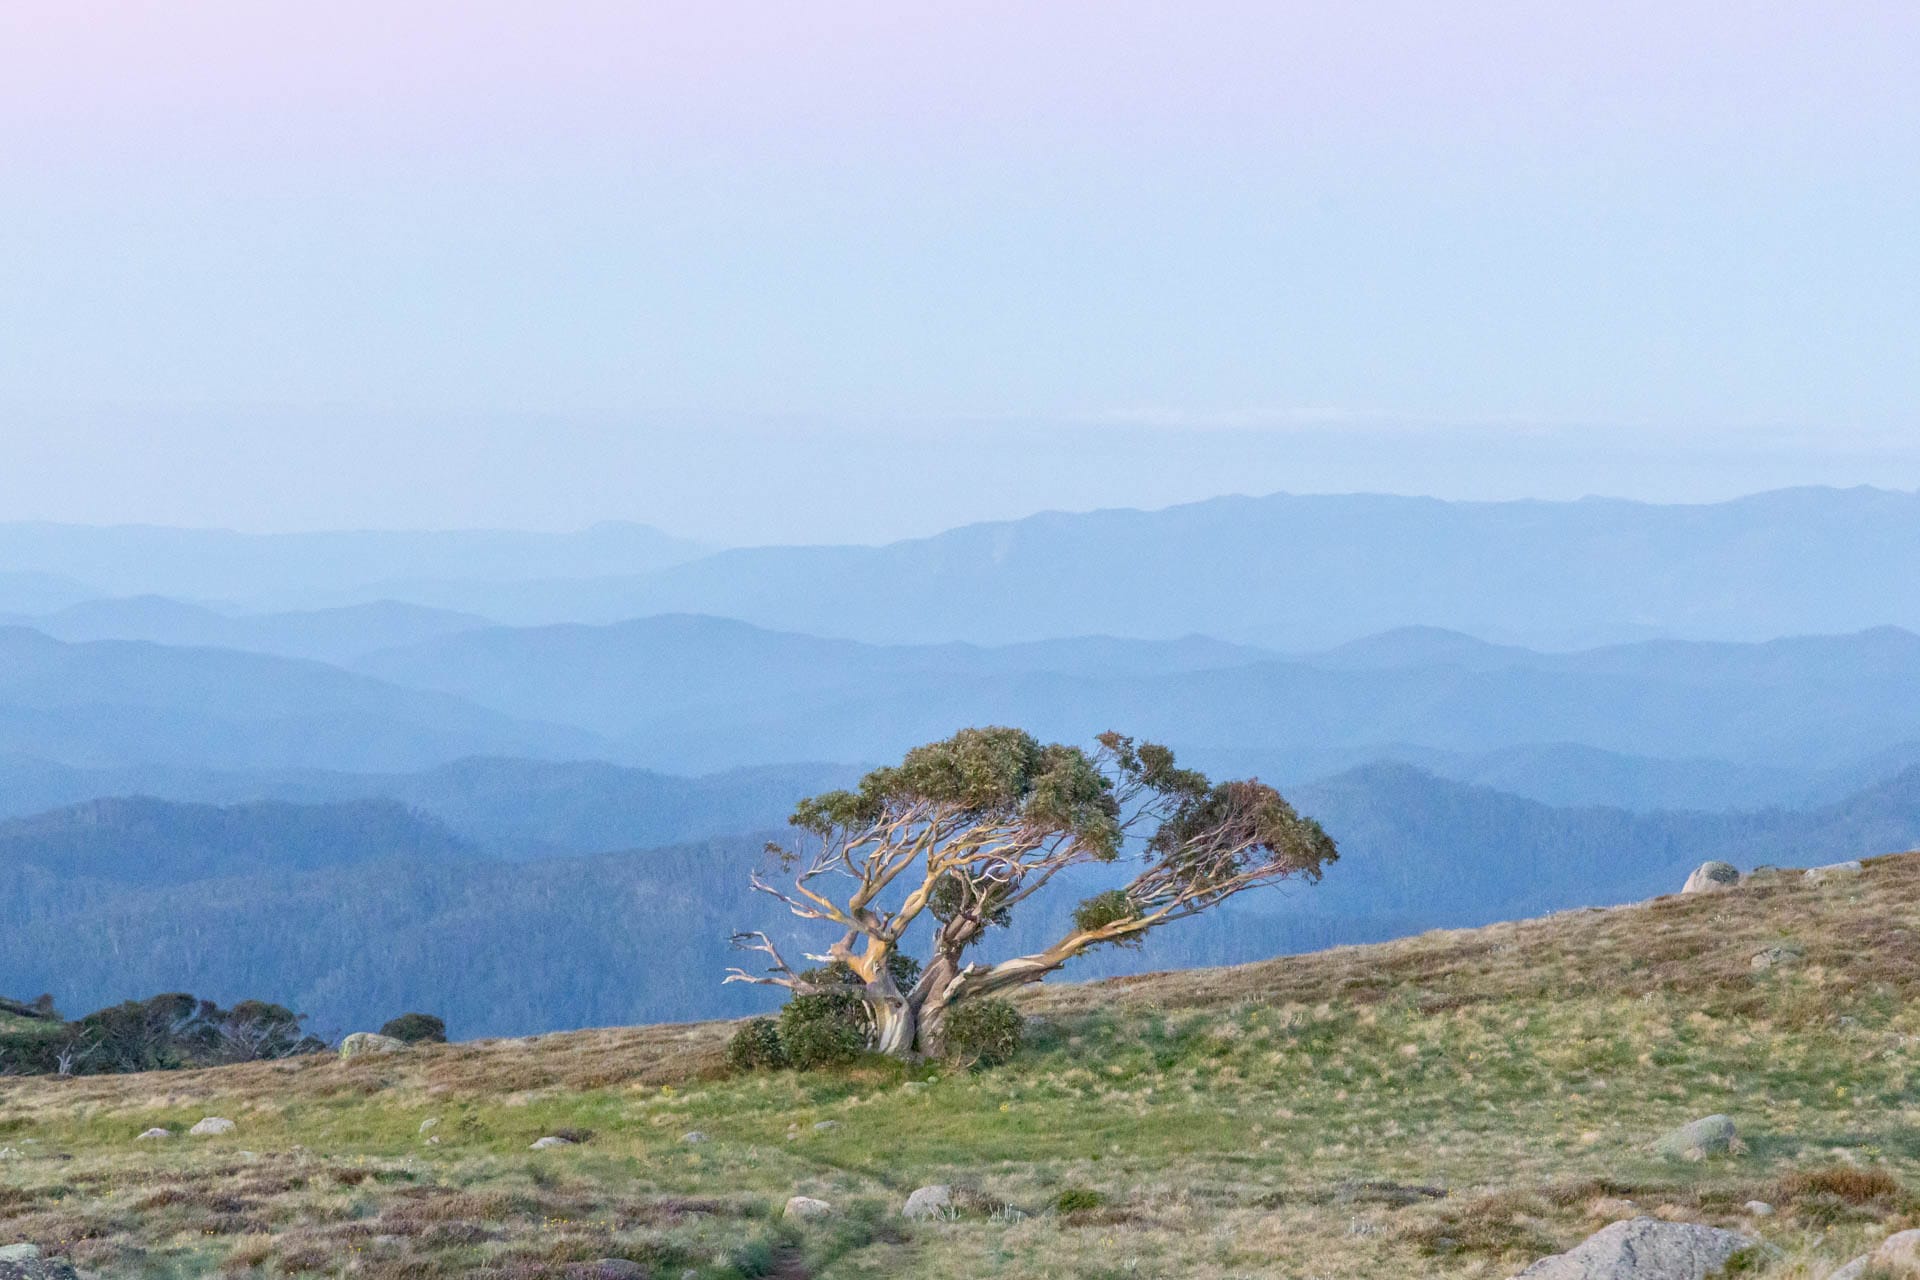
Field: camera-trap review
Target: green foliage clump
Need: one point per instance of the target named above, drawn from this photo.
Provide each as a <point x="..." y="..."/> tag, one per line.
<point x="992" y="771"/>
<point x="1103" y="909"/>
<point x="757" y="1047"/>
<point x="828" y="1026"/>
<point x="416" y="1028"/>
<point x="984" y="1032"/>
<point x="1078" y="1200"/>
<point x="824" y="1030"/>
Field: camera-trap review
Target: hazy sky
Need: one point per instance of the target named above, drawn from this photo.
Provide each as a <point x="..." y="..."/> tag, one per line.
<point x="856" y="269"/>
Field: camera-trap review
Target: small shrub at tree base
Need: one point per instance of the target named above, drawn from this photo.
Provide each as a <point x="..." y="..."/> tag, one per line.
<point x="824" y="1039"/>
<point x="984" y="1032"/>
<point x="831" y="1027"/>
<point x="757" y="1047"/>
<point x="416" y="1028"/>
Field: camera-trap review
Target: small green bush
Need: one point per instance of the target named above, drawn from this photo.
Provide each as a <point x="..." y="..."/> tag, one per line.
<point x="984" y="1032"/>
<point x="416" y="1028"/>
<point x="1078" y="1200"/>
<point x="757" y="1047"/>
<point x="820" y="1036"/>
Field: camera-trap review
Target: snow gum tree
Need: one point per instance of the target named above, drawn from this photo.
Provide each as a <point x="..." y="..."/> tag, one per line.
<point x="966" y="830"/>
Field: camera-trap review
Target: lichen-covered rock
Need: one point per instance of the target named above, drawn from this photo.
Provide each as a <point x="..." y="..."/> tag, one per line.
<point x="1644" y="1249"/>
<point x="929" y="1202"/>
<point x="365" y="1042"/>
<point x="607" y="1269"/>
<point x="151" y="1134"/>
<point x="806" y="1208"/>
<point x="1899" y="1250"/>
<point x="1708" y="1136"/>
<point x="38" y="1269"/>
<point x="1834" y="870"/>
<point x="1776" y="957"/>
<point x="212" y="1127"/>
<point x="23" y="1262"/>
<point x="1709" y="876"/>
<point x="1897" y="1258"/>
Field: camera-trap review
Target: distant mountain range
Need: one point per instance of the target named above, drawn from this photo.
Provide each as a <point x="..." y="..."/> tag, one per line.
<point x="142" y="841"/>
<point x="337" y="635"/>
<point x="115" y="702"/>
<point x="1306" y="572"/>
<point x="1651" y="724"/>
<point x="685" y="693"/>
<point x="507" y="808"/>
<point x="352" y="912"/>
<point x="308" y="570"/>
<point x="1286" y="572"/>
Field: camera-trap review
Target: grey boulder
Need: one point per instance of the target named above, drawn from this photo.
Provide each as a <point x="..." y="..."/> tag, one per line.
<point x="929" y="1202"/>
<point x="1644" y="1249"/>
<point x="23" y="1262"/>
<point x="361" y="1043"/>
<point x="1709" y="876"/>
<point x="806" y="1208"/>
<point x="1898" y="1256"/>
<point x="1708" y="1136"/>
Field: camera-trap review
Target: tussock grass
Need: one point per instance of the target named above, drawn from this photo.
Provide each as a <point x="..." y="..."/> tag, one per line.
<point x="1449" y="1105"/>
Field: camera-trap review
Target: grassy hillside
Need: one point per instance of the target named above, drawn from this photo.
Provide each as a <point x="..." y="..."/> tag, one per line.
<point x="1450" y="1105"/>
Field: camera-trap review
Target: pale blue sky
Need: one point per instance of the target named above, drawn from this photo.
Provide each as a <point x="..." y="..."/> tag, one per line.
<point x="524" y="262"/>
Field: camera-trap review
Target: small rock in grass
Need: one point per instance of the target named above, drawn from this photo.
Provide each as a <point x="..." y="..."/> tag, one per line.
<point x="1776" y="957"/>
<point x="607" y="1269"/>
<point x="1834" y="870"/>
<point x="1644" y="1249"/>
<point x="826" y="1126"/>
<point x="549" y="1142"/>
<point x="211" y="1127"/>
<point x="1759" y="1209"/>
<point x="1709" y="1136"/>
<point x="806" y="1207"/>
<point x="155" y="1133"/>
<point x="429" y="1124"/>
<point x="929" y="1202"/>
<point x="695" y="1136"/>
<point x="1709" y="876"/>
